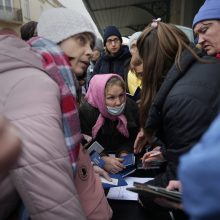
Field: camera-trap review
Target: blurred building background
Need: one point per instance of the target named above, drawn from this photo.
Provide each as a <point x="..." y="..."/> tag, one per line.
<point x="128" y="15"/>
<point x="134" y="15"/>
<point x="13" y="13"/>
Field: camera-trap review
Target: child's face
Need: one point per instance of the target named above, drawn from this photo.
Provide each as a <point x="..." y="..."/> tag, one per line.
<point x="114" y="96"/>
<point x="79" y="50"/>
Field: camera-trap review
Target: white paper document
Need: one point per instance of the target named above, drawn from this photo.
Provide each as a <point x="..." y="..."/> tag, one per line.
<point x="113" y="182"/>
<point x="120" y="193"/>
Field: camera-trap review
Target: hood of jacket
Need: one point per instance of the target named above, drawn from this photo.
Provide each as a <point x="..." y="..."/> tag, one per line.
<point x="15" y="53"/>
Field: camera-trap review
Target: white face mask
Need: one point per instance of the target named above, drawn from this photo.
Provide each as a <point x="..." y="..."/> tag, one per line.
<point x="116" y="110"/>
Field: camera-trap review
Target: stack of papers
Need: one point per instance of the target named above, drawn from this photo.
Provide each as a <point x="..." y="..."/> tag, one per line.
<point x="120" y="193"/>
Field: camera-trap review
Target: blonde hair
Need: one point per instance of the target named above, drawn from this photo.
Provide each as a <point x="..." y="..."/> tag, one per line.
<point x="115" y="81"/>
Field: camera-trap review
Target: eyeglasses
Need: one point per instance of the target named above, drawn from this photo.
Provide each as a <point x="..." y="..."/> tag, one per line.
<point x="115" y="40"/>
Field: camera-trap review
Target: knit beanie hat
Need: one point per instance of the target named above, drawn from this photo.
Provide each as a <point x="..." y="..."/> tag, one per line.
<point x="111" y="31"/>
<point x="210" y="10"/>
<point x="133" y="37"/>
<point x="58" y="24"/>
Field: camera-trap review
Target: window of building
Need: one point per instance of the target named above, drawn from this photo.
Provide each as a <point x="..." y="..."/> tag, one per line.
<point x="1" y="4"/>
<point x="27" y="9"/>
<point x="6" y="4"/>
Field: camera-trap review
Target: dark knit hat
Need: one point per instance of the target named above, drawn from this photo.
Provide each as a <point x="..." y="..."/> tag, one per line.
<point x="210" y="10"/>
<point x="111" y="31"/>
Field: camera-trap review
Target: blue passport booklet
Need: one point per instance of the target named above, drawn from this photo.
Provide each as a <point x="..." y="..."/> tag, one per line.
<point x="96" y="159"/>
<point x="127" y="171"/>
<point x="117" y="180"/>
<point x="129" y="160"/>
<point x="129" y="163"/>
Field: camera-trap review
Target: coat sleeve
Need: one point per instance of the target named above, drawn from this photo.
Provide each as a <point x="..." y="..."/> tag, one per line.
<point x="43" y="174"/>
<point x="88" y="116"/>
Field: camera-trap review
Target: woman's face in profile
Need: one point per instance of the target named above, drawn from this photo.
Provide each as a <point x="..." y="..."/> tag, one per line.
<point x="114" y="96"/>
<point x="79" y="50"/>
<point x="208" y="33"/>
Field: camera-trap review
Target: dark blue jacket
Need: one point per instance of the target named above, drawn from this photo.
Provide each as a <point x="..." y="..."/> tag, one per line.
<point x="114" y="64"/>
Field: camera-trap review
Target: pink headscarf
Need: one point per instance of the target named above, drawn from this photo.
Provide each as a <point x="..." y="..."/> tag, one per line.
<point x="96" y="97"/>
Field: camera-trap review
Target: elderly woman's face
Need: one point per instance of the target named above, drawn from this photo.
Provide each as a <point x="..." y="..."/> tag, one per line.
<point x="79" y="50"/>
<point x="208" y="33"/>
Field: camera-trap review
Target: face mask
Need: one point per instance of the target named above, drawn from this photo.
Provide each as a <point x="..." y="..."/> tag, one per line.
<point x="116" y="110"/>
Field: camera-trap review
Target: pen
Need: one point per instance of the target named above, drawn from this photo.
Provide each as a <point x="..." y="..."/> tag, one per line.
<point x="153" y="154"/>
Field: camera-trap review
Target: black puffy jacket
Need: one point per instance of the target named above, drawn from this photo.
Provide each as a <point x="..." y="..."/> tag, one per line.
<point x="185" y="105"/>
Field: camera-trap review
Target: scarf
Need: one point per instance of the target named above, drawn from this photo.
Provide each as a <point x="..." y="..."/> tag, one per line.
<point x="57" y="66"/>
<point x="95" y="96"/>
<point x="218" y="56"/>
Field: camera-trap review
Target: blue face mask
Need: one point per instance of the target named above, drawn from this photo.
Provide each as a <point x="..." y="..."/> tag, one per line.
<point x="116" y="110"/>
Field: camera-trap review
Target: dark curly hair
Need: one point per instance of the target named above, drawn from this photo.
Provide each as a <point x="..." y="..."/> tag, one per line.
<point x="28" y="30"/>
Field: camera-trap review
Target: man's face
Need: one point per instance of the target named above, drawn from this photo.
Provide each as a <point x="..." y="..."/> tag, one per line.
<point x="208" y="33"/>
<point x="113" y="45"/>
<point x="79" y="50"/>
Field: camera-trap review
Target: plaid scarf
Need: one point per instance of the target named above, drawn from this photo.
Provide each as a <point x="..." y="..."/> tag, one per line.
<point x="57" y="66"/>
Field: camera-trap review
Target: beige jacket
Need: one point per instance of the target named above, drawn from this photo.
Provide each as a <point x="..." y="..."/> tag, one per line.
<point x="42" y="175"/>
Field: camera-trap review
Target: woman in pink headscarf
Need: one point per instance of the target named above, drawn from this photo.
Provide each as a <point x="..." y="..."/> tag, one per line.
<point x="110" y="118"/>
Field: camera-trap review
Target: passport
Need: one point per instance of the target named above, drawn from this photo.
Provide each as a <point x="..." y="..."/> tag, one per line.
<point x="96" y="159"/>
<point x="129" y="160"/>
<point x="129" y="163"/>
<point x="127" y="171"/>
<point x="117" y="180"/>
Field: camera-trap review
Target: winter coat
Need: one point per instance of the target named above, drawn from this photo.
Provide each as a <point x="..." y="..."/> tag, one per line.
<point x="43" y="174"/>
<point x="199" y="175"/>
<point x="185" y="105"/>
<point x="114" y="64"/>
<point x="108" y="136"/>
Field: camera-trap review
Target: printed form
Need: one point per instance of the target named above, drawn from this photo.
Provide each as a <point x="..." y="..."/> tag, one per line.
<point x="120" y="193"/>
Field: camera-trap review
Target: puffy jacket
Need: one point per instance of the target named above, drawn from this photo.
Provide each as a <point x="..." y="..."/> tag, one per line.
<point x="185" y="105"/>
<point x="43" y="175"/>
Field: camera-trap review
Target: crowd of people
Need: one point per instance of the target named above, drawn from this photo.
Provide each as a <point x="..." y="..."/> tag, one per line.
<point x="59" y="83"/>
